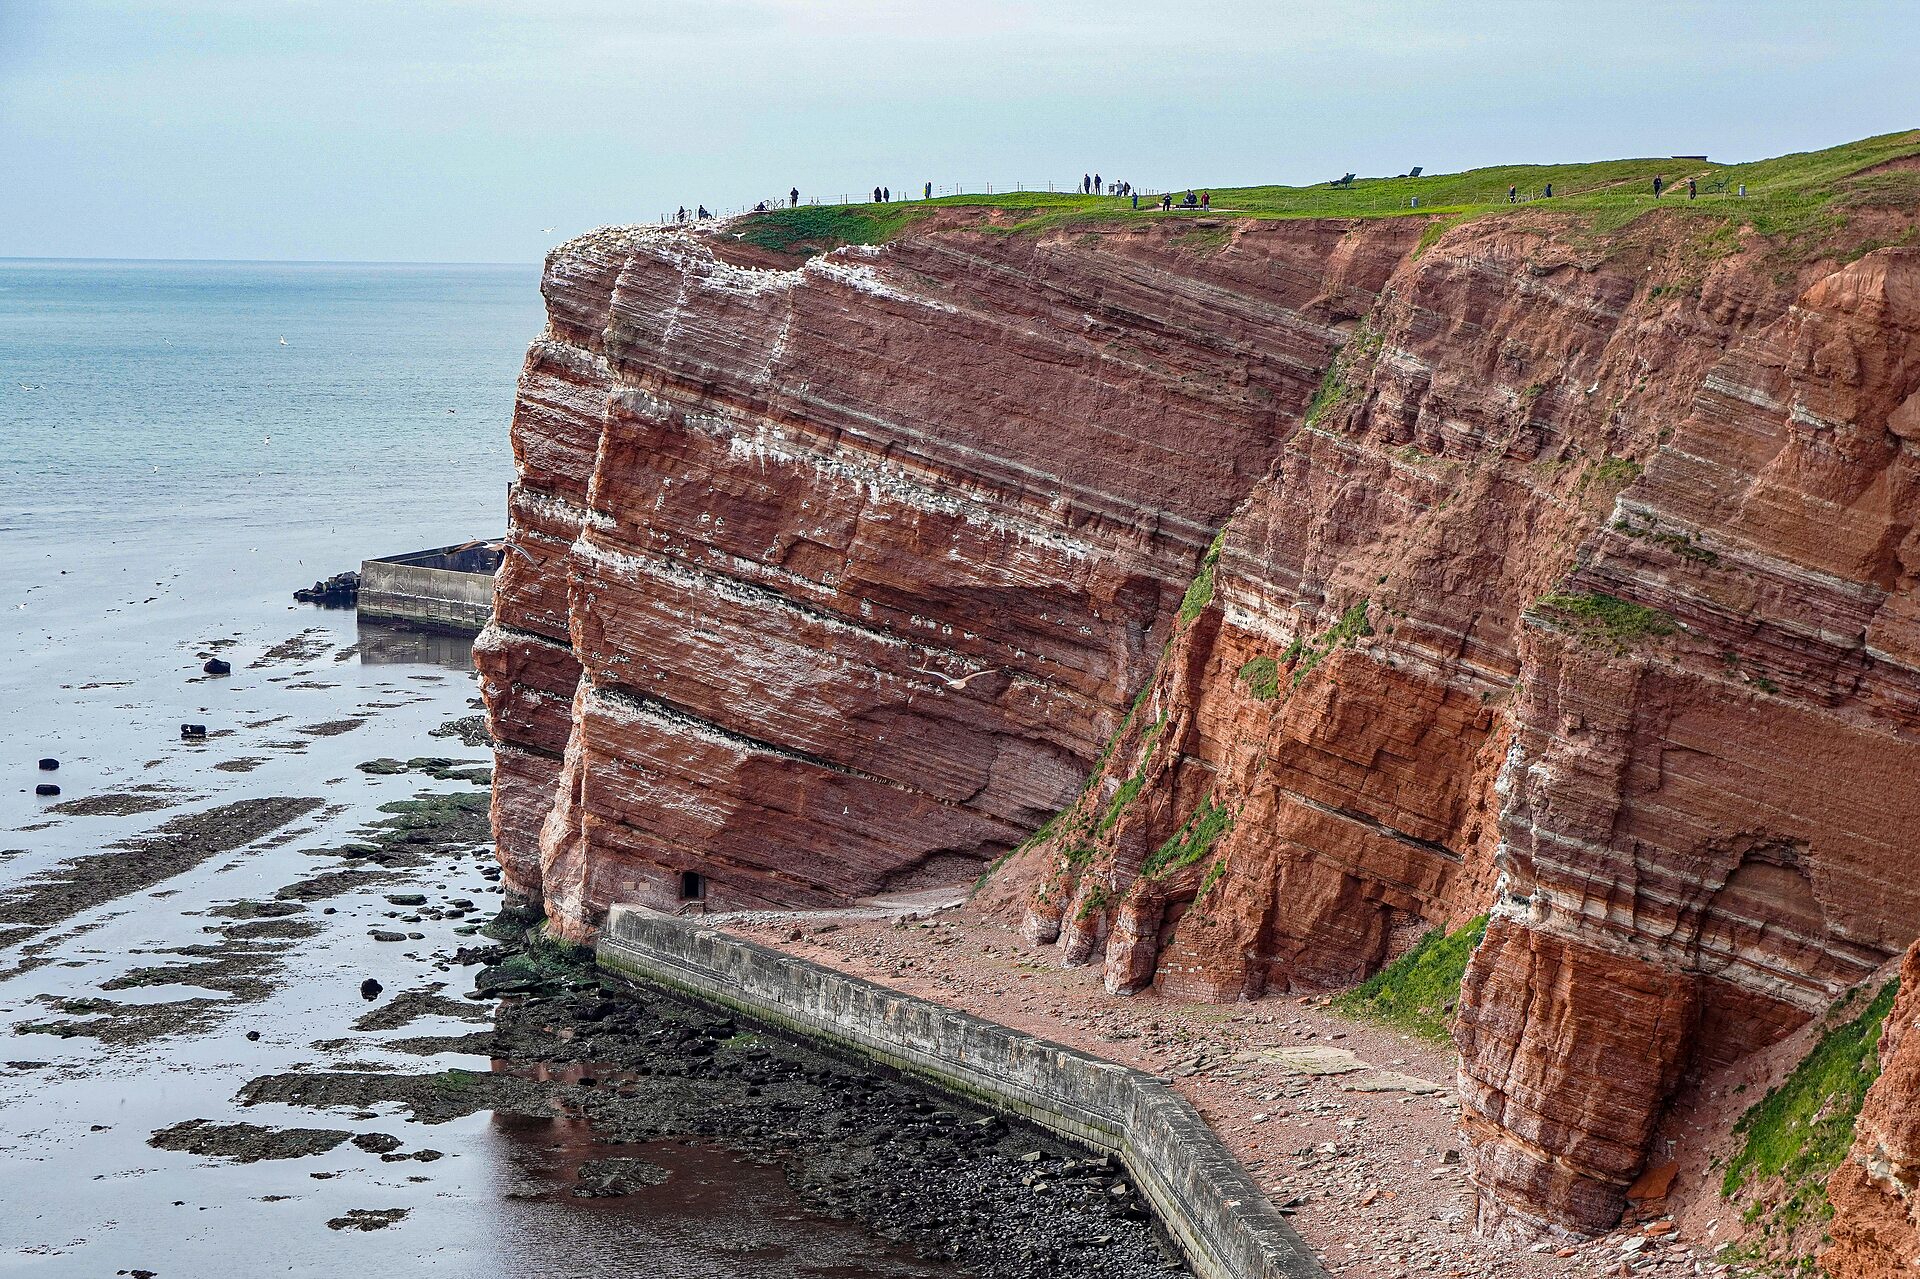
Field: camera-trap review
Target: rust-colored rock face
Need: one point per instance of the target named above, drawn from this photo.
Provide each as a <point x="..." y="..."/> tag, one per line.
<point x="856" y="563"/>
<point x="1583" y="602"/>
<point x="1732" y="805"/>
<point x="1521" y="580"/>
<point x="1876" y="1214"/>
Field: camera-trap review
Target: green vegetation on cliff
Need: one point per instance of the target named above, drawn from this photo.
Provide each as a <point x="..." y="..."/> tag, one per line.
<point x="1261" y="675"/>
<point x="1200" y="590"/>
<point x="1798" y="1133"/>
<point x="1417" y="991"/>
<point x="814" y="228"/>
<point x="1192" y="841"/>
<point x="1806" y="193"/>
<point x="1597" y="617"/>
<point x="1303" y="655"/>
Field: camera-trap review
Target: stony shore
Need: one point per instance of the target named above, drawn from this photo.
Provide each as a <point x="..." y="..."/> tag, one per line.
<point x="1349" y="1126"/>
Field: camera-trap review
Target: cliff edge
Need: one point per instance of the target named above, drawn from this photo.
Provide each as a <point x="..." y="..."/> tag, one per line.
<point x="1256" y="593"/>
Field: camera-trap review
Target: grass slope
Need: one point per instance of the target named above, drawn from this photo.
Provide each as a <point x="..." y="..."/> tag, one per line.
<point x="1416" y="992"/>
<point x="1797" y="1134"/>
<point x="1790" y="194"/>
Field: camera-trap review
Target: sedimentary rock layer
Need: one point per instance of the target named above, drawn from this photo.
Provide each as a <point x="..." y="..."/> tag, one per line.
<point x="1520" y="568"/>
<point x="1578" y="598"/>
<point x="1876" y="1217"/>
<point x="861" y="558"/>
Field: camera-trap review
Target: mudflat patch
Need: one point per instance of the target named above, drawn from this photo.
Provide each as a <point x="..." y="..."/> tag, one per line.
<point x="246" y="1143"/>
<point x="135" y="864"/>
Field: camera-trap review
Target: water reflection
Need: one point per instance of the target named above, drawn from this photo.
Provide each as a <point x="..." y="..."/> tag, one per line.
<point x="387" y="643"/>
<point x="709" y="1214"/>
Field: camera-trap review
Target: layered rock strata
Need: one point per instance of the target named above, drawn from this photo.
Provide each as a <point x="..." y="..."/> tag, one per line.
<point x="1314" y="583"/>
<point x="833" y="578"/>
<point x="1580" y="600"/>
<point x="1876" y="1221"/>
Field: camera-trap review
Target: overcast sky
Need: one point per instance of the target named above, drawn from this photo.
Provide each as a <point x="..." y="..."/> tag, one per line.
<point x="461" y="130"/>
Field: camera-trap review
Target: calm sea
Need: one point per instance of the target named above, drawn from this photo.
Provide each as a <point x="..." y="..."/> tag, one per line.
<point x="182" y="444"/>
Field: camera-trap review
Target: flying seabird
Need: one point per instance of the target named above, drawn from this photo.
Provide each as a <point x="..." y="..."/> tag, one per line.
<point x="949" y="680"/>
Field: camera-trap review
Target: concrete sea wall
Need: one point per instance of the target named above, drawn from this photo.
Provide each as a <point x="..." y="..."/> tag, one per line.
<point x="1219" y="1218"/>
<point x="432" y="597"/>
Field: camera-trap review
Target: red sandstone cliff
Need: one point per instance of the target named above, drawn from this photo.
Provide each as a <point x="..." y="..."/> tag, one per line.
<point x="1566" y="574"/>
<point x="1876" y="1222"/>
<point x="862" y="558"/>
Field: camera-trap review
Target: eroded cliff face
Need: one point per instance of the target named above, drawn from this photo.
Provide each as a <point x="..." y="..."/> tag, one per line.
<point x="1312" y="584"/>
<point x="1711" y="834"/>
<point x="1578" y="600"/>
<point x="1876" y="1221"/>
<point x="834" y="578"/>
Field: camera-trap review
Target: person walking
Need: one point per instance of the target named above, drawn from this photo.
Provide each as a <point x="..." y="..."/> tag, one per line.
<point x="886" y="195"/>
<point x="927" y="194"/>
<point x="1658" y="183"/>
<point x="1549" y="194"/>
<point x="1691" y="191"/>
<point x="1136" y="202"/>
<point x="1513" y="195"/>
<point x="1206" y="200"/>
<point x="1166" y="202"/>
<point x="793" y="198"/>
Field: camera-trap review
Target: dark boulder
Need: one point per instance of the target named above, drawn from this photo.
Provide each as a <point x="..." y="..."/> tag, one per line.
<point x="48" y="763"/>
<point x="341" y="590"/>
<point x="46" y="788"/>
<point x="193" y="732"/>
<point x="217" y="666"/>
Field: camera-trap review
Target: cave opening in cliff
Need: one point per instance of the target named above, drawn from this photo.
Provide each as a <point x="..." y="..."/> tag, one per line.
<point x="693" y="886"/>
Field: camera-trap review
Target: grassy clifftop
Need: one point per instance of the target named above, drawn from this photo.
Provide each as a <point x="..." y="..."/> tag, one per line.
<point x="1787" y="194"/>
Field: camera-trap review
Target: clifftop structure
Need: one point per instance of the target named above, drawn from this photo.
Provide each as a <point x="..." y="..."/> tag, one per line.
<point x="1306" y="577"/>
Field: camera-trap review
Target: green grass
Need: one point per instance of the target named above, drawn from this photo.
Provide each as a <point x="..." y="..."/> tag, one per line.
<point x="1192" y="841"/>
<point x="1416" y="992"/>
<point x="815" y="228"/>
<point x="1200" y="590"/>
<point x="1345" y="374"/>
<point x="1801" y="1130"/>
<point x="1804" y="195"/>
<point x="1261" y="675"/>
<point x="1130" y="788"/>
<point x="1597" y="617"/>
<point x="1303" y="655"/>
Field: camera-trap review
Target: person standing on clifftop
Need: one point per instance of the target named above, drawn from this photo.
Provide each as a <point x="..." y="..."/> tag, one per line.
<point x="1549" y="194"/>
<point x="793" y="198"/>
<point x="1136" y="201"/>
<point x="876" y="195"/>
<point x="1099" y="187"/>
<point x="1166" y="203"/>
<point x="1086" y="184"/>
<point x="1513" y="195"/>
<point x="927" y="194"/>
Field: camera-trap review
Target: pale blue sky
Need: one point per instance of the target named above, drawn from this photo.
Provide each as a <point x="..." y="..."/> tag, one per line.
<point x="452" y="130"/>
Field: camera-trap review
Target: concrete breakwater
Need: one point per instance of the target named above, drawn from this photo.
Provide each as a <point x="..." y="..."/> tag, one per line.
<point x="1209" y="1204"/>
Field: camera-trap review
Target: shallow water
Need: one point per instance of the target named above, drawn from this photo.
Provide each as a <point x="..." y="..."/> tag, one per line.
<point x="171" y="473"/>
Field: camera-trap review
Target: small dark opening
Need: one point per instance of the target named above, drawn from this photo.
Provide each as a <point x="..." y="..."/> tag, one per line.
<point x="693" y="886"/>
